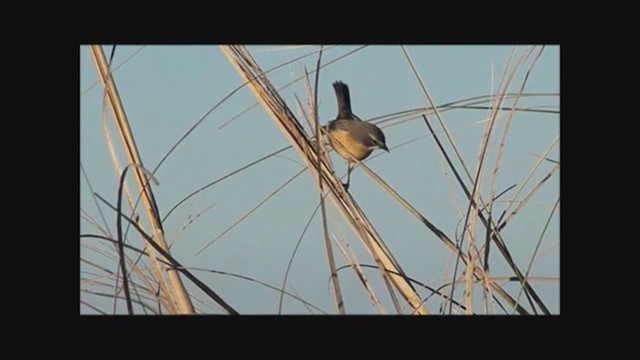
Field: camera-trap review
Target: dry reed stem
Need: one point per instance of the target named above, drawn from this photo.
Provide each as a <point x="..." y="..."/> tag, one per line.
<point x="343" y="236"/>
<point x="303" y="111"/>
<point x="108" y="274"/>
<point x="535" y="251"/>
<point x="503" y="223"/>
<point x="84" y="215"/>
<point x="106" y="229"/>
<point x="351" y="259"/>
<point x="109" y="295"/>
<point x="473" y="210"/>
<point x="132" y="265"/>
<point x="188" y="222"/>
<point x="182" y="297"/>
<point x="507" y="126"/>
<point x="311" y="105"/>
<point x="321" y="152"/>
<point x="118" y="169"/>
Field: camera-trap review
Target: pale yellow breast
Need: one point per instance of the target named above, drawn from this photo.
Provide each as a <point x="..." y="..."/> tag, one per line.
<point x="341" y="141"/>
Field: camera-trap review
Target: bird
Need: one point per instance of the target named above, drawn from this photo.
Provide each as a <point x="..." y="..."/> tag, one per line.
<point x="349" y="136"/>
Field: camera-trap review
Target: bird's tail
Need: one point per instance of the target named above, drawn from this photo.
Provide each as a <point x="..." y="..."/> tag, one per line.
<point x="344" y="102"/>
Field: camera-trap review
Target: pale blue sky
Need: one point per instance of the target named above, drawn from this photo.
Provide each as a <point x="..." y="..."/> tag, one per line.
<point x="166" y="89"/>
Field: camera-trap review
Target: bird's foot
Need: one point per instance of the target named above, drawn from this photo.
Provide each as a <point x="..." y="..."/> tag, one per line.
<point x="346" y="186"/>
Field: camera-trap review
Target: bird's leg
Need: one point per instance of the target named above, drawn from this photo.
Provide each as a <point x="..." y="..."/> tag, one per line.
<point x="349" y="168"/>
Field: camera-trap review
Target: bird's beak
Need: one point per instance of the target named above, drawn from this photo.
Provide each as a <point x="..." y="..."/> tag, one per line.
<point x="383" y="146"/>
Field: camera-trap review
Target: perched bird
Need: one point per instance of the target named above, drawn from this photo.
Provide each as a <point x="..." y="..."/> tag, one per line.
<point x="349" y="136"/>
